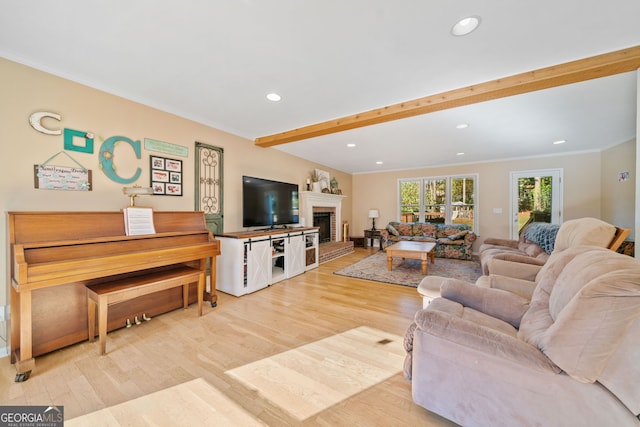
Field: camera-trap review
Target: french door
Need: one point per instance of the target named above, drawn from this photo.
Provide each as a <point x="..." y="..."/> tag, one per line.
<point x="536" y="195"/>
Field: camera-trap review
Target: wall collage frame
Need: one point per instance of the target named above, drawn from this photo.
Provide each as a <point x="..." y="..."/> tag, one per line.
<point x="166" y="176"/>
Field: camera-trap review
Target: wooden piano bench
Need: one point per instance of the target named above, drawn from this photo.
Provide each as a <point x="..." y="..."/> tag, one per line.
<point x="101" y="296"/>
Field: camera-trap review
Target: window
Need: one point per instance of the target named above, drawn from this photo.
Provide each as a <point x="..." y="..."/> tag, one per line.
<point x="444" y="199"/>
<point x="409" y="200"/>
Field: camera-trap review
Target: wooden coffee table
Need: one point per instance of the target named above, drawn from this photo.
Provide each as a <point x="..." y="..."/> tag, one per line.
<point x="413" y="250"/>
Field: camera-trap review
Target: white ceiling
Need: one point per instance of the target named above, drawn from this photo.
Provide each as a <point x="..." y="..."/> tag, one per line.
<point x="214" y="61"/>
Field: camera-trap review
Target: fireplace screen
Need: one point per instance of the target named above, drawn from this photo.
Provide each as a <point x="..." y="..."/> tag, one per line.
<point x="323" y="220"/>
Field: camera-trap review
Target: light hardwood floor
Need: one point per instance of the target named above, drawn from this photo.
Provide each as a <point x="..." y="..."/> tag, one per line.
<point x="179" y="347"/>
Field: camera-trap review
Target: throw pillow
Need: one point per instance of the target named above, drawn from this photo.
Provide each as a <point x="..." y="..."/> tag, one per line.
<point x="543" y="234"/>
<point x="459" y="235"/>
<point x="391" y="229"/>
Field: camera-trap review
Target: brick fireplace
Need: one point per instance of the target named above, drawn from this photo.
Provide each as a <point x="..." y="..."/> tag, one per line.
<point x="325" y="219"/>
<point x="322" y="202"/>
<point x="325" y="211"/>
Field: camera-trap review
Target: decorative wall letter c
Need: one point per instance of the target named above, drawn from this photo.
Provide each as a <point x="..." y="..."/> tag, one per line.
<point x="70" y="134"/>
<point x="35" y="120"/>
<point x="106" y="159"/>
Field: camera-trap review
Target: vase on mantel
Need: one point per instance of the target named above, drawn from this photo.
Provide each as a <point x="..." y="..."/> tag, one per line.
<point x="315" y="187"/>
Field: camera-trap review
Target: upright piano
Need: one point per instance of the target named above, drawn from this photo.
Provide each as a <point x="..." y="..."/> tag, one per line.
<point x="55" y="255"/>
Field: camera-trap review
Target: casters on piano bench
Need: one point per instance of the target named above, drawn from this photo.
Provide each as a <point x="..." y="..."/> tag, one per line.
<point x="22" y="376"/>
<point x="214" y="304"/>
<point x="145" y="317"/>
<point x="128" y="323"/>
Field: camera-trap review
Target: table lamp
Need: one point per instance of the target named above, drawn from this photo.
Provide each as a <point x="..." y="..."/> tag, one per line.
<point x="373" y="214"/>
<point x="136" y="191"/>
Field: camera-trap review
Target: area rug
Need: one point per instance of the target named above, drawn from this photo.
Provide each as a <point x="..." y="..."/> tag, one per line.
<point x="311" y="378"/>
<point x="194" y="403"/>
<point x="407" y="272"/>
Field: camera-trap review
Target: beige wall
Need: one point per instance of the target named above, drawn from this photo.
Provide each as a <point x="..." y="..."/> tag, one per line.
<point x="618" y="198"/>
<point x="26" y="90"/>
<point x="637" y="168"/>
<point x="582" y="190"/>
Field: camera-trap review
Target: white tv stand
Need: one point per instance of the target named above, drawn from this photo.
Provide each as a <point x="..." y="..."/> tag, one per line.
<point x="252" y="260"/>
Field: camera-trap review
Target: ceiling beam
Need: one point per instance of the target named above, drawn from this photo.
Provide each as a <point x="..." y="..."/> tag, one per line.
<point x="608" y="64"/>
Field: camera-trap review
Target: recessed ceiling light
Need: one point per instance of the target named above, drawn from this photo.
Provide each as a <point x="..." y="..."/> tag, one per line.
<point x="560" y="141"/>
<point x="460" y="154"/>
<point x="351" y="145"/>
<point x="462" y="126"/>
<point x="273" y="97"/>
<point x="379" y="162"/>
<point x="465" y="26"/>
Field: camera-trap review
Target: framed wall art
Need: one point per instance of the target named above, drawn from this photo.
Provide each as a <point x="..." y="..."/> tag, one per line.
<point x="166" y="176"/>
<point x="50" y="177"/>
<point x="324" y="178"/>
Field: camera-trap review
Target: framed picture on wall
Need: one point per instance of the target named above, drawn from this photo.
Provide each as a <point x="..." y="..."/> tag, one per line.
<point x="166" y="176"/>
<point x="324" y="178"/>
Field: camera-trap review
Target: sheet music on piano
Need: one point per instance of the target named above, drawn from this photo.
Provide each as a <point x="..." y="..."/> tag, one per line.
<point x="138" y="221"/>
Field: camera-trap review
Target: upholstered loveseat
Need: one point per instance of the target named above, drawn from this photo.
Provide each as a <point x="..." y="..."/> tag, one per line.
<point x="452" y="240"/>
<point x="569" y="356"/>
<point x="538" y="240"/>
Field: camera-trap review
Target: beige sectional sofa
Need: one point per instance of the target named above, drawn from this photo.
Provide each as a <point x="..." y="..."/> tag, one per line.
<point x="568" y="356"/>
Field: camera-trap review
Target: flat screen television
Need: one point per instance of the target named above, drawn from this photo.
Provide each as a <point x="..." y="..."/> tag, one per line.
<point x="267" y="203"/>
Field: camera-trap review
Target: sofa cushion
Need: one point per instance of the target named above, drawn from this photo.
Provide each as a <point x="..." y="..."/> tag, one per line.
<point x="422" y="239"/>
<point x="424" y="230"/>
<point x="473" y="329"/>
<point x="585" y="300"/>
<point x="504" y="305"/>
<point x="584" y="232"/>
<point x="588" y="329"/>
<point x="518" y="286"/>
<point x="531" y="249"/>
<point x="494" y="242"/>
<point x="457" y="310"/>
<point x="538" y="318"/>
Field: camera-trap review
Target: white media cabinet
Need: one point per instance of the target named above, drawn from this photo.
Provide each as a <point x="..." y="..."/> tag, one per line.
<point x="252" y="260"/>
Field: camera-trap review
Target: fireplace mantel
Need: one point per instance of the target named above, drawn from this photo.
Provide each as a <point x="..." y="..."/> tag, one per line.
<point x="311" y="199"/>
